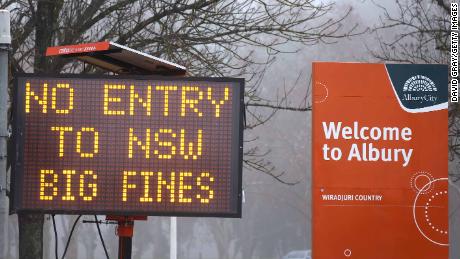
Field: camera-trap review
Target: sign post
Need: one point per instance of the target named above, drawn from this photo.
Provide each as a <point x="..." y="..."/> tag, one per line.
<point x="5" y="41"/>
<point x="173" y="238"/>
<point x="125" y="233"/>
<point x="380" y="161"/>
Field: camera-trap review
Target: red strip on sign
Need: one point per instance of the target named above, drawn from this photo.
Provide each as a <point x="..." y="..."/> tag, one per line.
<point x="80" y="48"/>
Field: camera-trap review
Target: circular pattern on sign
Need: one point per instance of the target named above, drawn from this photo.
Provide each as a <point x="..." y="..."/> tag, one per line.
<point x="321" y="93"/>
<point x="347" y="252"/>
<point x="426" y="206"/>
<point x="419" y="180"/>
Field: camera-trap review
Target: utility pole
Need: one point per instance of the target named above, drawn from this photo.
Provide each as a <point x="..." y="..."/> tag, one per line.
<point x="5" y="42"/>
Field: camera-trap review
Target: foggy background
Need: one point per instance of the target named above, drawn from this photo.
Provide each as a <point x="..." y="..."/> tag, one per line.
<point x="276" y="217"/>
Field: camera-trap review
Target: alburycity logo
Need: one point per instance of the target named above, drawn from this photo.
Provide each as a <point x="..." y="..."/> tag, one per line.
<point x="420" y="89"/>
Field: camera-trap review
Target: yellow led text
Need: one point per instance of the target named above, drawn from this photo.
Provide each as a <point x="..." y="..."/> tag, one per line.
<point x="43" y="99"/>
<point x="95" y="142"/>
<point x="186" y="148"/>
<point x="146" y="103"/>
<point x="205" y="187"/>
<point x="127" y="185"/>
<point x="216" y="103"/>
<point x="166" y="90"/>
<point x="54" y="98"/>
<point x="92" y="186"/>
<point x="172" y="187"/>
<point x="135" y="140"/>
<point x="49" y="185"/>
<point x="166" y="143"/>
<point x="121" y="99"/>
<point x="186" y="101"/>
<point x="108" y="100"/>
<point x="68" y="185"/>
<point x="78" y="142"/>
<point x="183" y="187"/>
<point x="62" y="131"/>
<point x="146" y="197"/>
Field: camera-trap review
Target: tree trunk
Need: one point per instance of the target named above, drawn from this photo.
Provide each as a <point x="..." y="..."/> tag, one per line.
<point x="46" y="26"/>
<point x="46" y="19"/>
<point x="30" y="236"/>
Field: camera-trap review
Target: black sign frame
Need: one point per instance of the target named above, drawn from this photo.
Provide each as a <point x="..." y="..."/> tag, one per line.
<point x="238" y="115"/>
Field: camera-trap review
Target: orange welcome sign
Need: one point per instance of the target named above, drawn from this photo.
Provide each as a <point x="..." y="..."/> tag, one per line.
<point x="380" y="161"/>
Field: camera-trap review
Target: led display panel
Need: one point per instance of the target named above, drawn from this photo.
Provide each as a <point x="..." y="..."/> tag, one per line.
<point x="128" y="146"/>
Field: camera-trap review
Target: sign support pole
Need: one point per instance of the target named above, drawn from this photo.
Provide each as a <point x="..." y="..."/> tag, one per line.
<point x="125" y="232"/>
<point x="5" y="42"/>
<point x="173" y="238"/>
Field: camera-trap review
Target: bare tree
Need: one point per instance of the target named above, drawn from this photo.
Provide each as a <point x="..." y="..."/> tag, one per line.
<point x="421" y="34"/>
<point x="210" y="37"/>
<point x="421" y="31"/>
